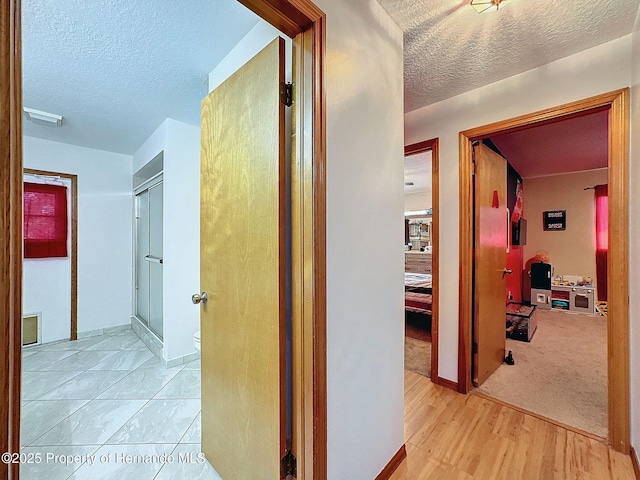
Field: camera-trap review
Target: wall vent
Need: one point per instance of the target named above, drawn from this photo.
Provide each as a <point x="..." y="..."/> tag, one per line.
<point x="31" y="329"/>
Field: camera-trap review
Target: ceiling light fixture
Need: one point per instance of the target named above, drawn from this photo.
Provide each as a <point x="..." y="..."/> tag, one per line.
<point x="43" y="118"/>
<point x="483" y="6"/>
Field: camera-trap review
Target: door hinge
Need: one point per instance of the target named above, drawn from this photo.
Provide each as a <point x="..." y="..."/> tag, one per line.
<point x="474" y="348"/>
<point x="286" y="93"/>
<point x="288" y="465"/>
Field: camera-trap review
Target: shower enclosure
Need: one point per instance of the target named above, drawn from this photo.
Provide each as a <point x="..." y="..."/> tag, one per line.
<point x="148" y="254"/>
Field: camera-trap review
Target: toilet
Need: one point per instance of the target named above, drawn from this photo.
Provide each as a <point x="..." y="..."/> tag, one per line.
<point x="196" y="340"/>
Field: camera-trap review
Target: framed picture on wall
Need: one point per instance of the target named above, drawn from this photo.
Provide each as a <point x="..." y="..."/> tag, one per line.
<point x="554" y="220"/>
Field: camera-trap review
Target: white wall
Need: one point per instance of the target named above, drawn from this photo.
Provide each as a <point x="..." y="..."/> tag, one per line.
<point x="46" y="284"/>
<point x="252" y="43"/>
<point x="181" y="237"/>
<point x="365" y="326"/>
<point x="417" y="201"/>
<point x="151" y="147"/>
<point x="571" y="251"/>
<point x="104" y="231"/>
<point x="634" y="241"/>
<point x="181" y="230"/>
<point x="365" y="259"/>
<point x="598" y="70"/>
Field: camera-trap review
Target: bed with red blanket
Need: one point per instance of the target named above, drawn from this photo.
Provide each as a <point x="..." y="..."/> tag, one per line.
<point x="417" y="294"/>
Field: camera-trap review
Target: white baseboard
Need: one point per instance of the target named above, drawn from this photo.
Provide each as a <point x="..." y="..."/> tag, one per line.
<point x="103" y="331"/>
<point x="156" y="346"/>
<point x="182" y="360"/>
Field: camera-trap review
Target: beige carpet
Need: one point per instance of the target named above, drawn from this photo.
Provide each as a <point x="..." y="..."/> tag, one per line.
<point x="561" y="374"/>
<point x="417" y="356"/>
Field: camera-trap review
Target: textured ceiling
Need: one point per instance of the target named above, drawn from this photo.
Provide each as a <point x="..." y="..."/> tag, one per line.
<point x="450" y="49"/>
<point x="115" y="69"/>
<point x="568" y="146"/>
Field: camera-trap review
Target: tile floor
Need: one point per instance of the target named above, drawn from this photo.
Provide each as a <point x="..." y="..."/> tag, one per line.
<point x="104" y="407"/>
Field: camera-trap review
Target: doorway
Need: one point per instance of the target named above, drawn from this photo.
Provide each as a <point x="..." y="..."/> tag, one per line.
<point x="616" y="103"/>
<point x="305" y="22"/>
<point x="422" y="268"/>
<point x="71" y="181"/>
<point x="558" y="344"/>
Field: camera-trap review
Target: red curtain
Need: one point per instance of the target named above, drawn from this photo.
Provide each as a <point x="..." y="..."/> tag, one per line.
<point x="45" y="220"/>
<point x="602" y="239"/>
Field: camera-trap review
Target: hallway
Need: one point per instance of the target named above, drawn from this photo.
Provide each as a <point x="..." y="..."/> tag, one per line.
<point x="454" y="436"/>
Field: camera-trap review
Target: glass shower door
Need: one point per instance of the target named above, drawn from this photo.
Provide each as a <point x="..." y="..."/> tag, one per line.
<point x="155" y="259"/>
<point x="149" y="283"/>
<point x="142" y="250"/>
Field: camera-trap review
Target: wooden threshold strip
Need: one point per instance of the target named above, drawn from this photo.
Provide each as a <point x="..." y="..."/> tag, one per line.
<point x="542" y="417"/>
<point x="443" y="382"/>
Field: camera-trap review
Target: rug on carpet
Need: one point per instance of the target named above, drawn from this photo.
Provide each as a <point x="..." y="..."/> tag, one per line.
<point x="417" y="356"/>
<point x="561" y="374"/>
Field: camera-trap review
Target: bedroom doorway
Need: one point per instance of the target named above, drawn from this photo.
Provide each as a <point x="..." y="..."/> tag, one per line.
<point x="559" y="343"/>
<point x="421" y="213"/>
<point x="615" y="104"/>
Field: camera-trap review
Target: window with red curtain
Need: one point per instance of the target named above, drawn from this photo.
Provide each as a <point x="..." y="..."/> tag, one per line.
<point x="45" y="220"/>
<point x="602" y="239"/>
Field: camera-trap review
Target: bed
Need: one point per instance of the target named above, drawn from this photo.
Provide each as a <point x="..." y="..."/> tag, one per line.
<point x="417" y="282"/>
<point x="417" y="293"/>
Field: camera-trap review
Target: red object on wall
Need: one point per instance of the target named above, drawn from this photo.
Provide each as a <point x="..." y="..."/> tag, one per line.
<point x="45" y="220"/>
<point x="514" y="280"/>
<point x="496" y="200"/>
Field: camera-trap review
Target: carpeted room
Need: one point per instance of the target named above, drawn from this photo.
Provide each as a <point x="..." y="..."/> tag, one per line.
<point x="417" y="343"/>
<point x="556" y="261"/>
<point x="561" y="374"/>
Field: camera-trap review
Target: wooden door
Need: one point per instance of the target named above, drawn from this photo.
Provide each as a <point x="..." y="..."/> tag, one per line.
<point x="490" y="262"/>
<point x="242" y="270"/>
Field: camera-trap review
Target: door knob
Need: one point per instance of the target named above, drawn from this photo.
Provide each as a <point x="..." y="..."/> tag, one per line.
<point x="197" y="298"/>
<point x="507" y="271"/>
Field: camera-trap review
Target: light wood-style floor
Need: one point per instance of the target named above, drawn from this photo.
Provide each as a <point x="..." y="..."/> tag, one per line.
<point x="452" y="436"/>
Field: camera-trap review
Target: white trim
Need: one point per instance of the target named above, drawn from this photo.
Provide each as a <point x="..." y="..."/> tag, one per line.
<point x="149" y="183"/>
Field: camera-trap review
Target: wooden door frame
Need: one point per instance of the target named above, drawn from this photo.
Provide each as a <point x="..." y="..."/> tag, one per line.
<point x="73" y="329"/>
<point x="617" y="104"/>
<point x="299" y="19"/>
<point x="10" y="231"/>
<point x="433" y="146"/>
